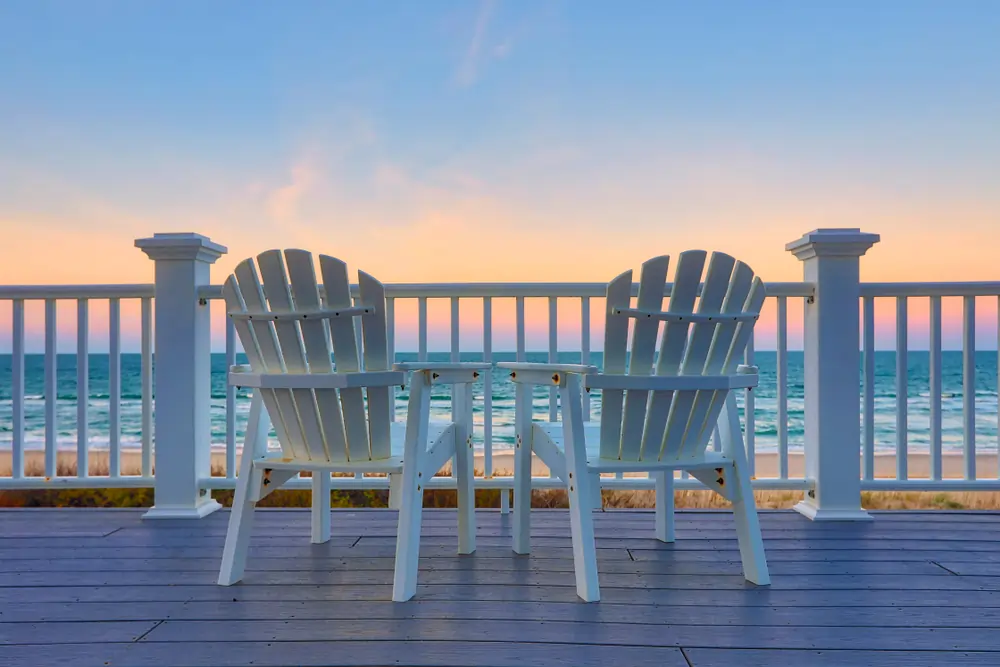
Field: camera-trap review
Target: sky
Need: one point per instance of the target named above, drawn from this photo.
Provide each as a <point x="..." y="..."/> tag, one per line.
<point x="505" y="140"/>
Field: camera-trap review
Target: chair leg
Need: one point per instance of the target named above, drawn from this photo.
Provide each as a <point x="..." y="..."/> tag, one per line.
<point x="404" y="582"/>
<point x="248" y="487"/>
<point x="744" y="506"/>
<point x="597" y="502"/>
<point x="665" y="505"/>
<point x="464" y="471"/>
<point x="581" y="512"/>
<point x="320" y="507"/>
<point x="395" y="489"/>
<point x="234" y="555"/>
<point x="522" y="471"/>
<point x="748" y="530"/>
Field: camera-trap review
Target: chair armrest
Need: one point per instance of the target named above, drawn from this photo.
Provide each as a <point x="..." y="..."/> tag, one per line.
<point x="671" y="382"/>
<point x="445" y="372"/>
<point x="315" y="380"/>
<point x="443" y="366"/>
<point x="544" y="374"/>
<point x="580" y="369"/>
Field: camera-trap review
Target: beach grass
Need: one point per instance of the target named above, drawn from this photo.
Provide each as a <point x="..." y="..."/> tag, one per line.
<point x="550" y="498"/>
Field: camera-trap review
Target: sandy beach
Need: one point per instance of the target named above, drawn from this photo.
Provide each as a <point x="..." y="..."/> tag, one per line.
<point x="503" y="464"/>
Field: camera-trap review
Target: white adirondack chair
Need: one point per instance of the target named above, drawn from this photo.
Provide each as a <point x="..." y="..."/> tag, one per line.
<point x="318" y="410"/>
<point x="670" y="409"/>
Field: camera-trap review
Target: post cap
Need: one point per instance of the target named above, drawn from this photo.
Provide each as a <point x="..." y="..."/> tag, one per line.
<point x="841" y="242"/>
<point x="181" y="246"/>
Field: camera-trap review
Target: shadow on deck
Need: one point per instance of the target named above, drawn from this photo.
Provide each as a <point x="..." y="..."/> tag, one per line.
<point x="102" y="587"/>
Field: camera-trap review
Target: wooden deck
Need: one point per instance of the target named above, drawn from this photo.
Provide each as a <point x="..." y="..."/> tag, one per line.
<point x="102" y="587"/>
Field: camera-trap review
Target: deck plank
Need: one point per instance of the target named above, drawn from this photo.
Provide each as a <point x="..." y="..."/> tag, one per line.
<point x="602" y="634"/>
<point x="91" y="631"/>
<point x="474" y="563"/>
<point x="708" y="657"/>
<point x="354" y="653"/>
<point x="497" y="577"/>
<point x="478" y="610"/>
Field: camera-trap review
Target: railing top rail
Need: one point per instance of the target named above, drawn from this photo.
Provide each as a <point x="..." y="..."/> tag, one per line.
<point x="931" y="289"/>
<point x="505" y="290"/>
<point x="75" y="291"/>
<point x="511" y="290"/>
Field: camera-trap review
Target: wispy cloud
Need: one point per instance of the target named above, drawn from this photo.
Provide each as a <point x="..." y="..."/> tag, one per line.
<point x="283" y="202"/>
<point x="469" y="69"/>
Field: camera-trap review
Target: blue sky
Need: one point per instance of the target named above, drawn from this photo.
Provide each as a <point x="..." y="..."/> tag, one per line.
<point x="380" y="130"/>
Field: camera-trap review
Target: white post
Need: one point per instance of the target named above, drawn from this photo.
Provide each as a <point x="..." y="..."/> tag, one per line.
<point x="182" y="374"/>
<point x="831" y="259"/>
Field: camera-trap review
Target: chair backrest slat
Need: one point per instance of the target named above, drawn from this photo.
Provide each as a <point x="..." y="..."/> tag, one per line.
<point x="701" y="423"/>
<point x="720" y="269"/>
<point x="754" y="304"/>
<point x="734" y="355"/>
<point x="615" y="352"/>
<point x="279" y="298"/>
<point x="376" y="356"/>
<point x="235" y="304"/>
<point x="652" y="283"/>
<point x="316" y="338"/>
<point x="345" y="355"/>
<point x="253" y="296"/>
<point x="687" y="278"/>
<point x="674" y="425"/>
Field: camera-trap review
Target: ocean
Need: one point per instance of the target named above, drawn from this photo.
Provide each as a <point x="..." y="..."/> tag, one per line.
<point x="918" y="400"/>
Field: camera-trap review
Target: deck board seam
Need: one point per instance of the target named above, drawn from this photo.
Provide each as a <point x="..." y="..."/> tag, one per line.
<point x="143" y="635"/>
<point x="934" y="562"/>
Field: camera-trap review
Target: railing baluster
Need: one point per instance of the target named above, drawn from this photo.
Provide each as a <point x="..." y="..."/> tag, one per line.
<point x="935" y="386"/>
<point x="390" y="334"/>
<point x="553" y="353"/>
<point x="749" y="412"/>
<point x="488" y="387"/>
<point x="422" y="329"/>
<point x="455" y="356"/>
<point x="521" y="354"/>
<point x="17" y="389"/>
<point x="519" y="323"/>
<point x="147" y="387"/>
<point x="455" y="322"/>
<point x="585" y="348"/>
<point x="868" y="388"/>
<point x="114" y="387"/>
<point x="969" y="385"/>
<point x="902" y="388"/>
<point x="231" y="466"/>
<point x="782" y="359"/>
<point x="554" y="358"/>
<point x="82" y="389"/>
<point x="51" y="388"/>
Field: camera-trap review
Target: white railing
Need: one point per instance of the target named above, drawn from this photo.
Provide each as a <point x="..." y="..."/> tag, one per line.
<point x="827" y="454"/>
<point x="935" y="479"/>
<point x="83" y="295"/>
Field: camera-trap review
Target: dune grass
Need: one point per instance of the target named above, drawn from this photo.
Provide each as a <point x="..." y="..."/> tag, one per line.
<point x="552" y="498"/>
